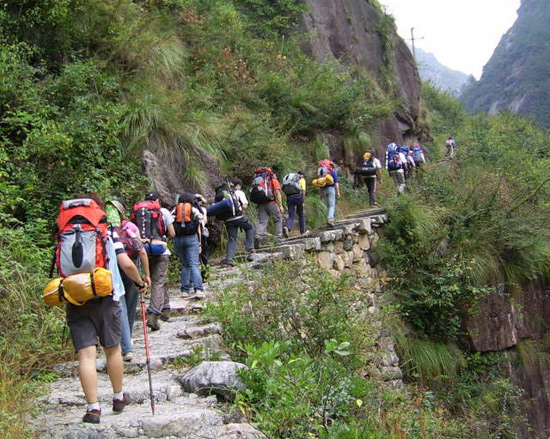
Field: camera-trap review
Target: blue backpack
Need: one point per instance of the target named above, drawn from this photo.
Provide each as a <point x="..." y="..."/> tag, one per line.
<point x="393" y="157"/>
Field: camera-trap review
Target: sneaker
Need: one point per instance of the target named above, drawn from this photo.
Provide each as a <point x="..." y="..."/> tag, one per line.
<point x="165" y="315"/>
<point x="185" y="294"/>
<point x="92" y="416"/>
<point x="285" y="232"/>
<point x="153" y="322"/>
<point x="199" y="295"/>
<point x="128" y="356"/>
<point x="330" y="223"/>
<point x="119" y="404"/>
<point x="306" y="233"/>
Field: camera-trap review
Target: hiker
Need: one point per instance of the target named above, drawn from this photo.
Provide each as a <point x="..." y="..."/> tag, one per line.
<point x="369" y="171"/>
<point x="450" y="144"/>
<point x="128" y="235"/>
<point x="189" y="220"/>
<point x="410" y="167"/>
<point x="236" y="222"/>
<point x="204" y="235"/>
<point x="266" y="193"/>
<point x="100" y="318"/>
<point x="418" y="155"/>
<point x="294" y="187"/>
<point x="327" y="182"/>
<point x="155" y="226"/>
<point x="395" y="164"/>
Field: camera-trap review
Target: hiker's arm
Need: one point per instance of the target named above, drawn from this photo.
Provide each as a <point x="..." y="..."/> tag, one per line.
<point x="145" y="264"/>
<point x="337" y="185"/>
<point x="130" y="269"/>
<point x="170" y="232"/>
<point x="279" y="199"/>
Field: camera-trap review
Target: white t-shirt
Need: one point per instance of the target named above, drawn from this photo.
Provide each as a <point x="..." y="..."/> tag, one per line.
<point x="243" y="201"/>
<point x="168" y="219"/>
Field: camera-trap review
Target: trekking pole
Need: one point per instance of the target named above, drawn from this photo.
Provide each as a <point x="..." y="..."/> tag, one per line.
<point x="147" y="352"/>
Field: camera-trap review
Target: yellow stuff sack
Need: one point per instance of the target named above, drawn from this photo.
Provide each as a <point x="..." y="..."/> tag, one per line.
<point x="78" y="288"/>
<point x="323" y="181"/>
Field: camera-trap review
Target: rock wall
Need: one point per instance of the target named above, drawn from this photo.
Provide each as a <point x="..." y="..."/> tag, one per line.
<point x="500" y="323"/>
<point x="353" y="32"/>
<point x="349" y="247"/>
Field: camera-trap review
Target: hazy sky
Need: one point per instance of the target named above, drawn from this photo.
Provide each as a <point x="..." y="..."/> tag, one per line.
<point x="462" y="34"/>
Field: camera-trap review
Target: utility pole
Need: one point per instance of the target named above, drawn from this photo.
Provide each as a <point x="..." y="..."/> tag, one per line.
<point x="412" y="40"/>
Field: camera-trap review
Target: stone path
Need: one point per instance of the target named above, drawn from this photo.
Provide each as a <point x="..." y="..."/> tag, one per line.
<point x="183" y="415"/>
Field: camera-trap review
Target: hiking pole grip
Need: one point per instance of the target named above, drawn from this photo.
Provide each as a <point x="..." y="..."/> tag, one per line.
<point x="147" y="351"/>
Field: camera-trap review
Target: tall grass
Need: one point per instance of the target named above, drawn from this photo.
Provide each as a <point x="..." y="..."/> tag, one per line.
<point x="31" y="337"/>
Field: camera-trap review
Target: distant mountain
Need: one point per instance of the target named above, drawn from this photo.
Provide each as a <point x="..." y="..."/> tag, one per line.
<point x="517" y="77"/>
<point x="441" y="76"/>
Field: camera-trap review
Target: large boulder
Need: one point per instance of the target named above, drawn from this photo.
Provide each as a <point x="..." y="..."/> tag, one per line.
<point x="214" y="377"/>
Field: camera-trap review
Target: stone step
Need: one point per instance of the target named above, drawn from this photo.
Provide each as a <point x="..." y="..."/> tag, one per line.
<point x="166" y="346"/>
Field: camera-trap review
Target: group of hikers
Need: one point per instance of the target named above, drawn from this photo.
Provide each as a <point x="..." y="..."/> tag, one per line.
<point x="123" y="254"/>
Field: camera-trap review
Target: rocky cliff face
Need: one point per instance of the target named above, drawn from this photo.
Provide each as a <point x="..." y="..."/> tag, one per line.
<point x="501" y="323"/>
<point x="517" y="77"/>
<point x="353" y="32"/>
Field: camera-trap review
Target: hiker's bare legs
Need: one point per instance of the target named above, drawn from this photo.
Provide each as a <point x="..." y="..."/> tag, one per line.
<point x="88" y="373"/>
<point x="115" y="367"/>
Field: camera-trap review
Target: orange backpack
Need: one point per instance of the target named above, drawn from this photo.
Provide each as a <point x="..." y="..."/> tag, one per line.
<point x="81" y="237"/>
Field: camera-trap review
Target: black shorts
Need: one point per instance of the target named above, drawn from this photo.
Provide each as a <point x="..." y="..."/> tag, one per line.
<point x="98" y="318"/>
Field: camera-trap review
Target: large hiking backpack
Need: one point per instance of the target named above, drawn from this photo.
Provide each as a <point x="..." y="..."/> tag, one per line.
<point x="132" y="244"/>
<point x="81" y="255"/>
<point x="394" y="163"/>
<point x="367" y="168"/>
<point x="227" y="203"/>
<point x="324" y="168"/>
<point x="291" y="184"/>
<point x="186" y="223"/>
<point x="146" y="215"/>
<point x="81" y="237"/>
<point x="261" y="190"/>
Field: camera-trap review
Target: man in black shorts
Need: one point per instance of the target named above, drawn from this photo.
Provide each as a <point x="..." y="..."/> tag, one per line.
<point x="101" y="319"/>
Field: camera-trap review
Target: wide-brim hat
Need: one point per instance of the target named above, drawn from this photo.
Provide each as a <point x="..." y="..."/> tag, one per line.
<point x="119" y="206"/>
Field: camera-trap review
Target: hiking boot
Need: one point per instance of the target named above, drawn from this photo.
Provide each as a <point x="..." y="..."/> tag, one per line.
<point x="330" y="223"/>
<point x="92" y="416"/>
<point x="119" y="404"/>
<point x="285" y="232"/>
<point x="128" y="356"/>
<point x="153" y="322"/>
<point x="199" y="295"/>
<point x="185" y="294"/>
<point x="306" y="233"/>
<point x="165" y="315"/>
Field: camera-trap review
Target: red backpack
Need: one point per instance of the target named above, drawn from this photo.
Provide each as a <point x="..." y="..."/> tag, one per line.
<point x="325" y="167"/>
<point x="261" y="190"/>
<point x="81" y="237"/>
<point x="146" y="215"/>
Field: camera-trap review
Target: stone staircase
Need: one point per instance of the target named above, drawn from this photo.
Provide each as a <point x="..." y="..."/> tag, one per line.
<point x="185" y="415"/>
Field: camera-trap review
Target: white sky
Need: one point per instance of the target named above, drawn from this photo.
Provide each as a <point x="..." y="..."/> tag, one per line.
<point x="462" y="34"/>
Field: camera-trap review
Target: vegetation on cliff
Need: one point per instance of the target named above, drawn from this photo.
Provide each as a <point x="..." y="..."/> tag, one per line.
<point x="86" y="85"/>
